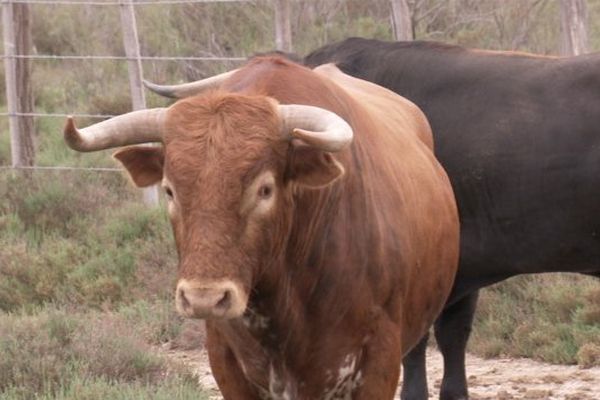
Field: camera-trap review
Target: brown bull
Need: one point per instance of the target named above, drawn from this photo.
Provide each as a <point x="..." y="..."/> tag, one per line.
<point x="318" y="236"/>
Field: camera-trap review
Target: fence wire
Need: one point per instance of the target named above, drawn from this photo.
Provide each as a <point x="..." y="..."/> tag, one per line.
<point x="56" y="115"/>
<point x="120" y="58"/>
<point x="119" y="3"/>
<point x="61" y="168"/>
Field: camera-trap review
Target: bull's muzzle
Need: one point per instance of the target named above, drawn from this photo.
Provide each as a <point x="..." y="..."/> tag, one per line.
<point x="213" y="300"/>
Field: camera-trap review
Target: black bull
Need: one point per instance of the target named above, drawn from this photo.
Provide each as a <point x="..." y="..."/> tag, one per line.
<point x="519" y="136"/>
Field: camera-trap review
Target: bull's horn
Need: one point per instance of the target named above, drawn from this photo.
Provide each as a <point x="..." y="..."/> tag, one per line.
<point x="315" y="126"/>
<point x="141" y="126"/>
<point x="188" y="89"/>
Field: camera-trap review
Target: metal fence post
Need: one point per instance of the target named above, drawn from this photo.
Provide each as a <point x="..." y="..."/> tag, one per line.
<point x="132" y="51"/>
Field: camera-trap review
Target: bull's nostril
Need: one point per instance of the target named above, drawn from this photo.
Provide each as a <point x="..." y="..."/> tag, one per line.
<point x="225" y="302"/>
<point x="183" y="301"/>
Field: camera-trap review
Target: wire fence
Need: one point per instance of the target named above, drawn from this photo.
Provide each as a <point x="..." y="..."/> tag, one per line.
<point x="11" y="59"/>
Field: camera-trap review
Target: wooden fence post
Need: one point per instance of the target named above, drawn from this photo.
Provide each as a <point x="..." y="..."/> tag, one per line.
<point x="401" y="22"/>
<point x="19" y="99"/>
<point x="283" y="27"/>
<point x="134" y="63"/>
<point x="574" y="27"/>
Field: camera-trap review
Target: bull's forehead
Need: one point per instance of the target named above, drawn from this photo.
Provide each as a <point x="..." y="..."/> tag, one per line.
<point x="222" y="119"/>
<point x="196" y="169"/>
<point x="214" y="143"/>
<point x="234" y="153"/>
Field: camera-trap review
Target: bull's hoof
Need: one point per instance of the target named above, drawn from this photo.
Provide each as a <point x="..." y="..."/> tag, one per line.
<point x="415" y="394"/>
<point x="449" y="395"/>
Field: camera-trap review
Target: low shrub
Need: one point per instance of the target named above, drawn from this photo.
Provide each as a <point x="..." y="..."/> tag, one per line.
<point x="156" y="322"/>
<point x="53" y="354"/>
<point x="174" y="388"/>
<point x="552" y="317"/>
<point x="80" y="245"/>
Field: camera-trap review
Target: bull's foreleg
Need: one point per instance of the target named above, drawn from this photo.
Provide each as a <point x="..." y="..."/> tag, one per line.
<point x="452" y="330"/>
<point x="380" y="367"/>
<point x="414" y="382"/>
<point x="227" y="371"/>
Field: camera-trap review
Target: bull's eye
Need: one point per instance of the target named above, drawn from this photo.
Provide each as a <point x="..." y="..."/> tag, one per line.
<point x="169" y="193"/>
<point x="265" y="191"/>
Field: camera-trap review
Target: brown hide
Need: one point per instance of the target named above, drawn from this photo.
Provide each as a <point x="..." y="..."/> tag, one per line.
<point x="397" y="113"/>
<point x="341" y="280"/>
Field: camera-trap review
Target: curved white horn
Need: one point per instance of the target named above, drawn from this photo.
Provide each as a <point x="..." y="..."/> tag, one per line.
<point x="188" y="89"/>
<point x="315" y="126"/>
<point x="141" y="126"/>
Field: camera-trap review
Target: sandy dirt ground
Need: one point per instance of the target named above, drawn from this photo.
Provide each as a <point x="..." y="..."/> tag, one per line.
<point x="497" y="379"/>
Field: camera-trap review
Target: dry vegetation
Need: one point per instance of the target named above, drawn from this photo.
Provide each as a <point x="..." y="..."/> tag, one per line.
<point x="85" y="291"/>
<point x="86" y="272"/>
<point x="553" y="318"/>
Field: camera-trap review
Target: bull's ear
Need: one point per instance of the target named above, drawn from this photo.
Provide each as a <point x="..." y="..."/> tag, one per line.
<point x="144" y="163"/>
<point x="314" y="168"/>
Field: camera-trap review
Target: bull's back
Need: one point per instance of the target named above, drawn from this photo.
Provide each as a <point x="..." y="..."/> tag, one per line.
<point x="518" y="138"/>
<point x="398" y="114"/>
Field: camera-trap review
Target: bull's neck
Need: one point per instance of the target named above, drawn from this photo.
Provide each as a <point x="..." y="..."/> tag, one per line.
<point x="312" y="274"/>
<point x="310" y="236"/>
